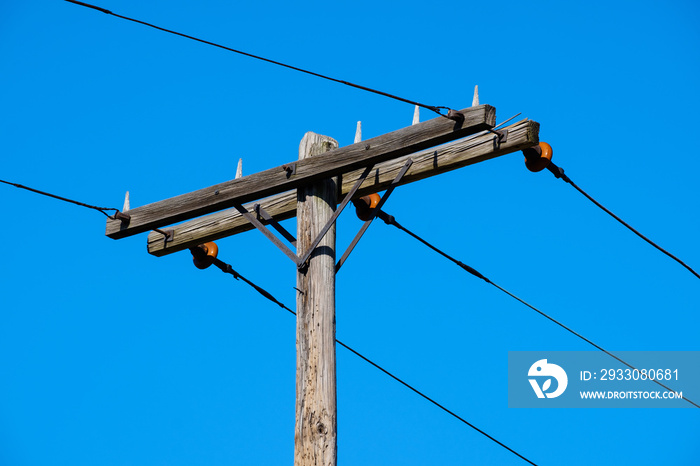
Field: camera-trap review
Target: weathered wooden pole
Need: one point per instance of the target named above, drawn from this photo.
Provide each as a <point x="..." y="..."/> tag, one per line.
<point x="315" y="433"/>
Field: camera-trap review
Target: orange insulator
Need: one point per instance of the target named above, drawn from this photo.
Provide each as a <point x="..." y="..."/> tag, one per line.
<point x="204" y="254"/>
<point x="365" y="205"/>
<point x="537" y="158"/>
<point x="374" y="200"/>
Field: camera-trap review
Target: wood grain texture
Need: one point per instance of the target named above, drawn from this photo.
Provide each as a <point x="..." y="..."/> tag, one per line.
<point x="283" y="206"/>
<point x="315" y="432"/>
<point x="277" y="180"/>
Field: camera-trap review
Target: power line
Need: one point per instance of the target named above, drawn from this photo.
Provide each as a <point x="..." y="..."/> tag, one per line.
<point x="559" y="173"/>
<point x="390" y="220"/>
<point x="65" y="199"/>
<point x="226" y="268"/>
<point x="435" y="109"/>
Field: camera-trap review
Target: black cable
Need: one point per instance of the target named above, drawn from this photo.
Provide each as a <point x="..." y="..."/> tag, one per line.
<point x="559" y="173"/>
<point x="390" y="220"/>
<point x="64" y="199"/>
<point x="226" y="268"/>
<point x="435" y="109"/>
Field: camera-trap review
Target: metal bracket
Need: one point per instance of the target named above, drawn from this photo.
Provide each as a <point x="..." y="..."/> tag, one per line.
<point x="124" y="217"/>
<point x="288" y="236"/>
<point x="454" y="115"/>
<point x="334" y="217"/>
<point x="256" y="223"/>
<point x="168" y="235"/>
<point x="502" y="134"/>
<point x="290" y="168"/>
<point x="268" y="218"/>
<point x="375" y="212"/>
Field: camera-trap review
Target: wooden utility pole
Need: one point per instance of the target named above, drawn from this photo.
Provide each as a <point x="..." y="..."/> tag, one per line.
<point x="315" y="433"/>
<point x="307" y="188"/>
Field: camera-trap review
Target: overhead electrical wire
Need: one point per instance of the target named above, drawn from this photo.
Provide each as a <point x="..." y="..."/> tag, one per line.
<point x="559" y="173"/>
<point x="226" y="268"/>
<point x="117" y="213"/>
<point x="64" y="199"/>
<point x="390" y="220"/>
<point x="432" y="108"/>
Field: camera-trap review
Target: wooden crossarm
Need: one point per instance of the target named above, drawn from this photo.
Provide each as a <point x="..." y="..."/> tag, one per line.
<point x="277" y="180"/>
<point x="449" y="157"/>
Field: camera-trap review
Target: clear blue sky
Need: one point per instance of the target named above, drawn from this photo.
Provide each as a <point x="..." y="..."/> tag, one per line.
<point x="111" y="356"/>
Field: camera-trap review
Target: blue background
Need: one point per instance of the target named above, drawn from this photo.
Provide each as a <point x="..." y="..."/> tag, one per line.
<point x="111" y="356"/>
